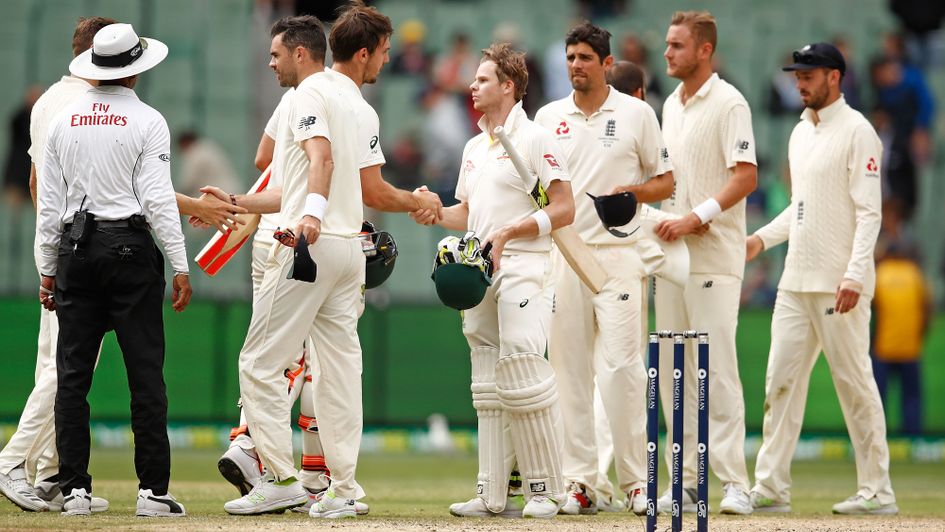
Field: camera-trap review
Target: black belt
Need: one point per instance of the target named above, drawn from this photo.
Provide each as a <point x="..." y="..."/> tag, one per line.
<point x="126" y="223"/>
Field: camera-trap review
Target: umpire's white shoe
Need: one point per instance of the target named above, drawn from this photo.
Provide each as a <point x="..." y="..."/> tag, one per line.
<point x="240" y="467"/>
<point x="15" y="487"/>
<point x="360" y="508"/>
<point x="860" y="505"/>
<point x="476" y="507"/>
<point x="734" y="501"/>
<point x="541" y="507"/>
<point x="151" y="505"/>
<point x="78" y="502"/>
<point x="49" y="491"/>
<point x="328" y="506"/>
<point x="689" y="497"/>
<point x="269" y="497"/>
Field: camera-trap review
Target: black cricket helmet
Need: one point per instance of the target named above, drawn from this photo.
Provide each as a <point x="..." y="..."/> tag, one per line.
<point x="380" y="252"/>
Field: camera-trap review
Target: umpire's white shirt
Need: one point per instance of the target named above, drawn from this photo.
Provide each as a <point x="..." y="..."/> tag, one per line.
<point x="834" y="216"/>
<point x="108" y="152"/>
<point x="707" y="137"/>
<point x="489" y="183"/>
<point x="620" y="144"/>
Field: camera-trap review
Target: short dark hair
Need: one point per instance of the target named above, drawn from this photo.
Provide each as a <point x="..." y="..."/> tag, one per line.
<point x="358" y="27"/>
<point x="85" y="30"/>
<point x="305" y="31"/>
<point x="509" y="64"/>
<point x="596" y="37"/>
<point x="626" y="77"/>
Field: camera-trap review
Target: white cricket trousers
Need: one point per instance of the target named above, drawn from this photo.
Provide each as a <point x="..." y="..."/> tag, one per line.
<point x="285" y="313"/>
<point x="600" y="336"/>
<point x="802" y="325"/>
<point x="34" y="442"/>
<point x="709" y="303"/>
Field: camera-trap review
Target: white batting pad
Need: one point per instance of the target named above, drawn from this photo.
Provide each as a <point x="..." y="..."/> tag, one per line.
<point x="495" y="445"/>
<point x="525" y="384"/>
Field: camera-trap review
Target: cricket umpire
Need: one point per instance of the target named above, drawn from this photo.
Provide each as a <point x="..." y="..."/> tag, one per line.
<point x="105" y="183"/>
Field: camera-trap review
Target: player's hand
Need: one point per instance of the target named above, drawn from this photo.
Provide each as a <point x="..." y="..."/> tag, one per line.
<point x="310" y="227"/>
<point x="848" y="295"/>
<point x="180" y="291"/>
<point x="427" y="214"/>
<point x="429" y="202"/>
<point x="220" y="213"/>
<point x="47" y="292"/>
<point x="671" y="230"/>
<point x="753" y="247"/>
<point x="498" y="238"/>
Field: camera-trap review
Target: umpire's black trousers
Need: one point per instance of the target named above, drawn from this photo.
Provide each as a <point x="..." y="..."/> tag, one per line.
<point x="114" y="281"/>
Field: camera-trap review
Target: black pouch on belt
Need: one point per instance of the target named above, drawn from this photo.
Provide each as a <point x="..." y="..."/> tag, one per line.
<point x="83" y="224"/>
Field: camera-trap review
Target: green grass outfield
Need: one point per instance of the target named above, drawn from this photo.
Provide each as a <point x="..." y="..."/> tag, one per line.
<point x="412" y="492"/>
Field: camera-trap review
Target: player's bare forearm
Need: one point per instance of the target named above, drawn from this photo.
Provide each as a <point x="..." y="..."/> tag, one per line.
<point x="33" y="183"/>
<point x="455" y="218"/>
<point x="265" y="202"/>
<point x="381" y="195"/>
<point x="264" y="152"/>
<point x="656" y="189"/>
<point x="742" y="182"/>
<point x="320" y="165"/>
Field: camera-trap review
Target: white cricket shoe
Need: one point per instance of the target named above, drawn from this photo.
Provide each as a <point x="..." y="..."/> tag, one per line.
<point x="360" y="508"/>
<point x="541" y="507"/>
<point x="767" y="505"/>
<point x="241" y="467"/>
<point x="476" y="507"/>
<point x="15" y="487"/>
<point x="151" y="505"/>
<point x="734" y="501"/>
<point x="636" y="501"/>
<point x="49" y="491"/>
<point x="689" y="497"/>
<point x="860" y="505"/>
<point x="269" y="496"/>
<point x="578" y="502"/>
<point x="78" y="502"/>
<point x="328" y="506"/>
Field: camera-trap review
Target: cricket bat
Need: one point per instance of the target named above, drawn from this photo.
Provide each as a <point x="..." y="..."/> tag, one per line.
<point x="223" y="246"/>
<point x="569" y="243"/>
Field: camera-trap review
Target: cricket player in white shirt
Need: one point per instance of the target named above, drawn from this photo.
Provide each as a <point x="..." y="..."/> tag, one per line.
<point x="707" y="128"/>
<point x="513" y="386"/>
<point x="321" y="201"/>
<point x="105" y="182"/>
<point x="612" y="143"/>
<point x="824" y="295"/>
<point x="360" y="42"/>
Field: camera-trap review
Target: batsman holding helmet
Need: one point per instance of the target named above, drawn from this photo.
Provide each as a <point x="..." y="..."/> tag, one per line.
<point x="513" y="386"/>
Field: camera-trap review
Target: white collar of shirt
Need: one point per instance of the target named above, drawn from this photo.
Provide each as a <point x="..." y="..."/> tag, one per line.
<point x="701" y="93"/>
<point x="516" y="115"/>
<point x="825" y="114"/>
<point x="117" y="90"/>
<point x="610" y="103"/>
<point x="76" y="81"/>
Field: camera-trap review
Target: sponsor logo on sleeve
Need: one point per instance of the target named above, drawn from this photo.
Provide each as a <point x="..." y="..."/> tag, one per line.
<point x="872" y="169"/>
<point x="742" y="145"/>
<point x="166" y="157"/>
<point x="373" y="142"/>
<point x="307" y="122"/>
<point x="664" y="155"/>
<point x="552" y="162"/>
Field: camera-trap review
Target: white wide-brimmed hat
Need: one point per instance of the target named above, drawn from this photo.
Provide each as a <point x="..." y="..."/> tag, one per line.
<point x="117" y="52"/>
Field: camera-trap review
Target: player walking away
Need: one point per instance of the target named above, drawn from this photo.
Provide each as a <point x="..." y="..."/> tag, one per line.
<point x="824" y="295"/>
<point x="360" y="41"/>
<point x="513" y="386"/>
<point x="612" y="143"/>
<point x="99" y="265"/>
<point x="321" y="202"/>
<point x="29" y="456"/>
<point x="707" y="128"/>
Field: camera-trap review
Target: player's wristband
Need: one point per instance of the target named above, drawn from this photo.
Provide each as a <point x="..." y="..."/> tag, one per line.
<point x="544" y="222"/>
<point x="707" y="210"/>
<point x="315" y="205"/>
